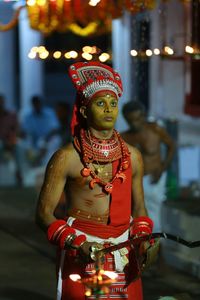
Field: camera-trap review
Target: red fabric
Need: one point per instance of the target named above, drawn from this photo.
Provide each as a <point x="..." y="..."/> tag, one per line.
<point x="141" y="225"/>
<point x="76" y="291"/>
<point x="127" y="284"/>
<point x="120" y="206"/>
<point x="77" y="120"/>
<point x="100" y="230"/>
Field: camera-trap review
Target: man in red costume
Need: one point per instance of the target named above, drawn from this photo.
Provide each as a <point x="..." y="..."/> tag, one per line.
<point x="102" y="178"/>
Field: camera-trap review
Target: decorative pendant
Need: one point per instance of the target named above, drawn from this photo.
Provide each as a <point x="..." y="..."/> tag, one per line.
<point x="96" y="151"/>
<point x="125" y="164"/>
<point x="106" y="153"/>
<point x="93" y="182"/>
<point x="122" y="176"/>
<point x="109" y="188"/>
<point x="85" y="172"/>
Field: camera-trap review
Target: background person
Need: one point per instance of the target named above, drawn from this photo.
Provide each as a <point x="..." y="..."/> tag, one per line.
<point x="9" y="139"/>
<point x="39" y="128"/>
<point x="150" y="138"/>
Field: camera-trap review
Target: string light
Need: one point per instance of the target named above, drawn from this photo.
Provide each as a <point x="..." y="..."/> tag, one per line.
<point x="134" y="52"/>
<point x="104" y="57"/>
<point x="57" y="54"/>
<point x="40" y="52"/>
<point x="189" y="49"/>
<point x="87" y="56"/>
<point x="94" y="2"/>
<point x="168" y="50"/>
<point x="149" y="52"/>
<point x="156" y="51"/>
<point x="88" y="51"/>
<point x="44" y="54"/>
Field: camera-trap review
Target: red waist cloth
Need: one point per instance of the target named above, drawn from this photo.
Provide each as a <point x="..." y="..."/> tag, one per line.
<point x="100" y="230"/>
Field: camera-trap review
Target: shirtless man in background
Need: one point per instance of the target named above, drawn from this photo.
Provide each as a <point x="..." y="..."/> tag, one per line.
<point x="150" y="138"/>
<point x="102" y="177"/>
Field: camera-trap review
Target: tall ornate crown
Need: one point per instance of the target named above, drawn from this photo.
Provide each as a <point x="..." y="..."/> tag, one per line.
<point x="92" y="77"/>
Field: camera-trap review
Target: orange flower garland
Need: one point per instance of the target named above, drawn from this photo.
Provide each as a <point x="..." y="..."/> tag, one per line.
<point x="76" y="15"/>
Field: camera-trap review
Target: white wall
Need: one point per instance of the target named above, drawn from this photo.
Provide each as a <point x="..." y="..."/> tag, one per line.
<point x="121" y="61"/>
<point x="7" y="57"/>
<point x="170" y="78"/>
<point x="167" y="76"/>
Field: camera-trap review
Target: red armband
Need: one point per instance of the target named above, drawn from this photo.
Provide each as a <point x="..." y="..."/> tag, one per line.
<point x="141" y="226"/>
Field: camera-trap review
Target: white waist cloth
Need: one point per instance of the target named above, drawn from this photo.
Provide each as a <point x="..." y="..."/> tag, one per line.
<point x="119" y="256"/>
<point x="155" y="195"/>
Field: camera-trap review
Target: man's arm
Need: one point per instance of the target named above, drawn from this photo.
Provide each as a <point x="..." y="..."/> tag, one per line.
<point x="52" y="188"/>
<point x="169" y="143"/>
<point x="138" y="205"/>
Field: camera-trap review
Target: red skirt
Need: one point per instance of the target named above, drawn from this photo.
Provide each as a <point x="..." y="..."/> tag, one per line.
<point x="70" y="290"/>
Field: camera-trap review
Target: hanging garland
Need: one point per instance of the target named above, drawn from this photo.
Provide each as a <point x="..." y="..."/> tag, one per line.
<point x="88" y="30"/>
<point x="77" y="15"/>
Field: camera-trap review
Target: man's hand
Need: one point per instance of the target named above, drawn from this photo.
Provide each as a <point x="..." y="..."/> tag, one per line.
<point x="148" y="253"/>
<point x="155" y="176"/>
<point x="88" y="249"/>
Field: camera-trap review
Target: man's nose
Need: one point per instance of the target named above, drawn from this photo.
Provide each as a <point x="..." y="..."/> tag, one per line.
<point x="108" y="107"/>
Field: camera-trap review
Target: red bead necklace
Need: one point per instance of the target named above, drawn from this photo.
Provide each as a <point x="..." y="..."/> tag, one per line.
<point x="96" y="150"/>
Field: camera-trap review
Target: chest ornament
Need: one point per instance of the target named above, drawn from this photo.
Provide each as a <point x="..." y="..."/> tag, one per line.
<point x="101" y="152"/>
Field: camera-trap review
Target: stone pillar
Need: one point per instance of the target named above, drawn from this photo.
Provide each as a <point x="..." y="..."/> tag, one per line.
<point x="7" y="58"/>
<point x="121" y="61"/>
<point x="31" y="71"/>
<point x="167" y="76"/>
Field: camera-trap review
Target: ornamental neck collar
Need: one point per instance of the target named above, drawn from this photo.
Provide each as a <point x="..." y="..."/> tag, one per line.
<point x="92" y="149"/>
<point x="100" y="150"/>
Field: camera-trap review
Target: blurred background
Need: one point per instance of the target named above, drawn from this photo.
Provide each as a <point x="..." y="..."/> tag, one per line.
<point x="155" y="46"/>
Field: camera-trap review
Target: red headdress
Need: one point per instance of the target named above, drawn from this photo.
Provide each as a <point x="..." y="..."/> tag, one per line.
<point x="90" y="78"/>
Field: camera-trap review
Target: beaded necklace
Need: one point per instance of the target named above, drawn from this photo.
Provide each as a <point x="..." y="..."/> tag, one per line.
<point x="93" y="149"/>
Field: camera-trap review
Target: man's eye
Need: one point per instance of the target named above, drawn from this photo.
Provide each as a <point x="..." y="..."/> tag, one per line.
<point x="114" y="104"/>
<point x="100" y="103"/>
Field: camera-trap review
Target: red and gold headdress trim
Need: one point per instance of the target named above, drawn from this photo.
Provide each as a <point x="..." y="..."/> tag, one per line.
<point x="92" y="77"/>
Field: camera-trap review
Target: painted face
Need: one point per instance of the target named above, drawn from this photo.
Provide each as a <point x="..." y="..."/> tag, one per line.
<point x="135" y="119"/>
<point x="102" y="111"/>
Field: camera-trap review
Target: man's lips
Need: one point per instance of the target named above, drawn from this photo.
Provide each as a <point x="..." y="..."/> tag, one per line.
<point x="108" y="118"/>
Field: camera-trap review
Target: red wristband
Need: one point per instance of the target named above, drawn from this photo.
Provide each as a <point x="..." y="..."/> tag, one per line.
<point x="54" y="228"/>
<point x="58" y="232"/>
<point x="78" y="241"/>
<point x="141" y="226"/>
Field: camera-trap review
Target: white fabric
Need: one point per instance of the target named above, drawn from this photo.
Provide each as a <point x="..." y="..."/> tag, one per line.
<point x="119" y="255"/>
<point x="59" y="284"/>
<point x="154" y="195"/>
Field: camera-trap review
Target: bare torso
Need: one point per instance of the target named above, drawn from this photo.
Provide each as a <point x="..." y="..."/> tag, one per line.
<point x="64" y="174"/>
<point x="82" y="201"/>
<point x="148" y="141"/>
